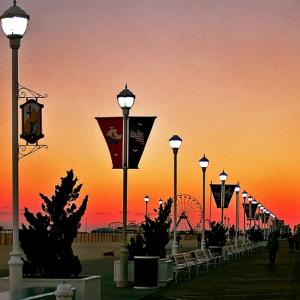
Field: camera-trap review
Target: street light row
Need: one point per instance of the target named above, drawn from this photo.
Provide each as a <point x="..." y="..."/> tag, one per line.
<point x="14" y="24"/>
<point x="175" y="143"/>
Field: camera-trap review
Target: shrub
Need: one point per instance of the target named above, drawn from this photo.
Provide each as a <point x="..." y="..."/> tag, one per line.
<point x="217" y="235"/>
<point x="47" y="241"/>
<point x="255" y="234"/>
<point x="156" y="235"/>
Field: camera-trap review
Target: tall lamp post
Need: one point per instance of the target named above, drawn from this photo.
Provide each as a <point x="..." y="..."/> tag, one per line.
<point x="253" y="210"/>
<point x="160" y="202"/>
<point x="175" y="143"/>
<point x="223" y="177"/>
<point x="250" y="198"/>
<point x="203" y="162"/>
<point x="259" y="205"/>
<point x="244" y="195"/>
<point x="237" y="190"/>
<point x="263" y="219"/>
<point x="146" y="199"/>
<point x="125" y="100"/>
<point x="14" y="23"/>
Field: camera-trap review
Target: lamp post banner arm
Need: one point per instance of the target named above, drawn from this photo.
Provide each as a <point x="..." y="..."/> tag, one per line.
<point x="139" y="131"/>
<point x="112" y="130"/>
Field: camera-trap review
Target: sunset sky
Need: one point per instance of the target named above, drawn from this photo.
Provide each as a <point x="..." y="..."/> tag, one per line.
<point x="222" y="74"/>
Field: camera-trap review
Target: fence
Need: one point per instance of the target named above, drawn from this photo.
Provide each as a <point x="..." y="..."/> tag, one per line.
<point x="82" y="237"/>
<point x="5" y="238"/>
<point x="99" y="237"/>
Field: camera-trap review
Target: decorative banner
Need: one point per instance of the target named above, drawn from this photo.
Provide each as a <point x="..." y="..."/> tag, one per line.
<point x="246" y="209"/>
<point x="216" y="191"/>
<point x="265" y="221"/>
<point x="261" y="216"/>
<point x="253" y="210"/>
<point x="139" y="131"/>
<point x="31" y="121"/>
<point x="256" y="217"/>
<point x="112" y="129"/>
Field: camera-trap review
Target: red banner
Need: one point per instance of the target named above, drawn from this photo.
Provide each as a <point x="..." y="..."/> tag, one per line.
<point x="112" y="129"/>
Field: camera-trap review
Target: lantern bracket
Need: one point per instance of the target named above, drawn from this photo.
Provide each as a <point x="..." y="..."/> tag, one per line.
<point x="29" y="95"/>
<point x="25" y="150"/>
<point x="26" y="93"/>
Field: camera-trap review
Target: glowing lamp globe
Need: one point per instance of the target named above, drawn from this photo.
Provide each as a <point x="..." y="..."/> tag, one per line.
<point x="126" y="98"/>
<point x="14" y="21"/>
<point x="175" y="142"/>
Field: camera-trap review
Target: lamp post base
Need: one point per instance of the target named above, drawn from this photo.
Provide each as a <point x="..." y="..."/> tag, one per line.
<point x="203" y="245"/>
<point x="123" y="282"/>
<point x="174" y="248"/>
<point x="15" y="264"/>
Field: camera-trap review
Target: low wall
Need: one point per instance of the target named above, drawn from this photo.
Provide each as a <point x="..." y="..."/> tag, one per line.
<point x="82" y="237"/>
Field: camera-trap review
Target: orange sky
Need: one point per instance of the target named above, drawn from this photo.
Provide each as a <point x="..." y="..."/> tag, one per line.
<point x="224" y="75"/>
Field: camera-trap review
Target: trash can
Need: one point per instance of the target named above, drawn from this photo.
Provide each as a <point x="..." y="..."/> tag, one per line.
<point x="146" y="272"/>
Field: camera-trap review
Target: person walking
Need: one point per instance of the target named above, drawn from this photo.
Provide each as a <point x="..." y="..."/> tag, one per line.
<point x="291" y="243"/>
<point x="297" y="240"/>
<point x="273" y="246"/>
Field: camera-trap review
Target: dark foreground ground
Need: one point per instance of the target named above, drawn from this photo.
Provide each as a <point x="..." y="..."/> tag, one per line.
<point x="251" y="277"/>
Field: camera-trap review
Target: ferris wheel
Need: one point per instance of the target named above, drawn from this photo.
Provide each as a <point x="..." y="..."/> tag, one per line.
<point x="189" y="213"/>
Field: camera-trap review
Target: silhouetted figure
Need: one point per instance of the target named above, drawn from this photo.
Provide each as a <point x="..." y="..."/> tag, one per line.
<point x="291" y="243"/>
<point x="131" y="249"/>
<point x="178" y="238"/>
<point x="199" y="237"/>
<point x="273" y="246"/>
<point x="297" y="240"/>
<point x="139" y="243"/>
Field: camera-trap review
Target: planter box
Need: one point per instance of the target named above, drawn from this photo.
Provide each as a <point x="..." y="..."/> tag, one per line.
<point x="88" y="287"/>
<point x="165" y="271"/>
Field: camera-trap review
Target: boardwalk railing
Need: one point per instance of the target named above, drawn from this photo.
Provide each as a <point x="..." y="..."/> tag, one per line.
<point x="82" y="237"/>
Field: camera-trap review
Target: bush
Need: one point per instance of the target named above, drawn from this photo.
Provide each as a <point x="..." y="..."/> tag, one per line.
<point x="217" y="235"/>
<point x="156" y="235"/>
<point x="255" y="234"/>
<point x="47" y="242"/>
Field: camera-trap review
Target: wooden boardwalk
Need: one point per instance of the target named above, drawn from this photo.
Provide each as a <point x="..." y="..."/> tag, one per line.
<point x="251" y="277"/>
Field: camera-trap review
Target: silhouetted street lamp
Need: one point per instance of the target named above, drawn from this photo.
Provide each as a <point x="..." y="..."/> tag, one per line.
<point x="259" y="205"/>
<point x="237" y="190"/>
<point x="263" y="219"/>
<point x="160" y="202"/>
<point x="250" y="198"/>
<point x="125" y="100"/>
<point x="14" y="23"/>
<point x="175" y="143"/>
<point x="146" y="199"/>
<point x="244" y="195"/>
<point x="223" y="177"/>
<point x="203" y="162"/>
<point x="254" y="210"/>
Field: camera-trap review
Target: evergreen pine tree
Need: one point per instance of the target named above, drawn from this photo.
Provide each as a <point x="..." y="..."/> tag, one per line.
<point x="47" y="241"/>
